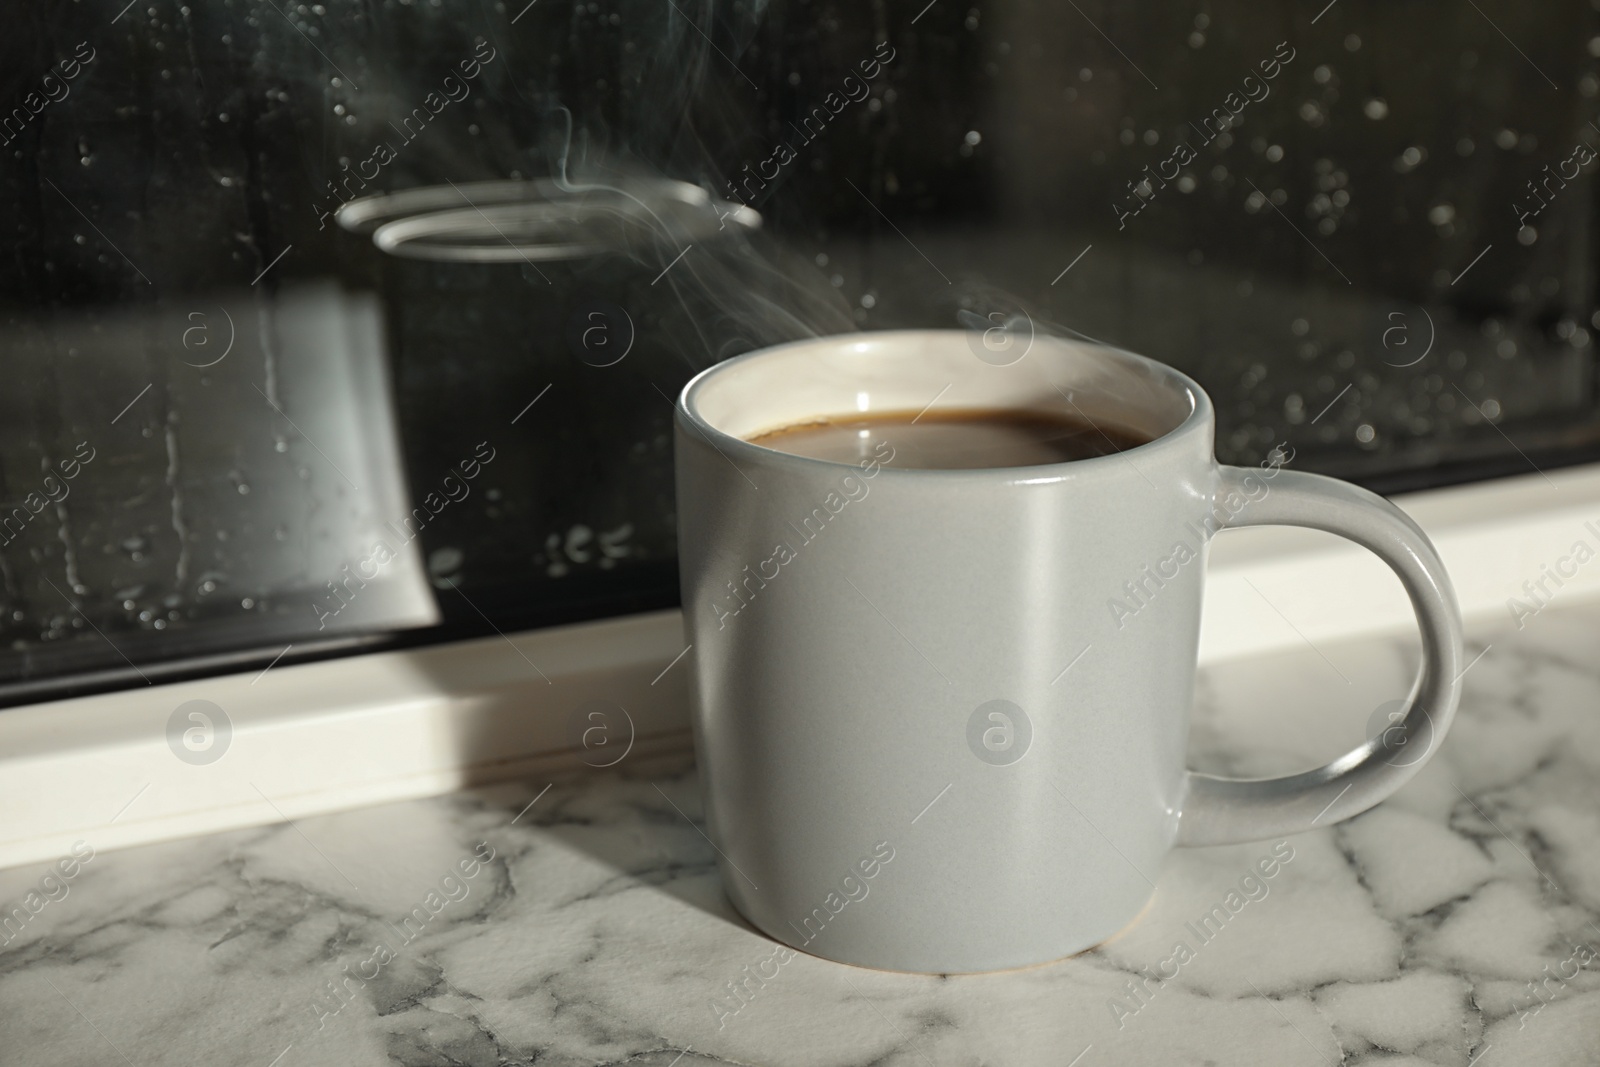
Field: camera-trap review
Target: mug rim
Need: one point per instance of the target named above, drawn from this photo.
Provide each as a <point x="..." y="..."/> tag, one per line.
<point x="1195" y="420"/>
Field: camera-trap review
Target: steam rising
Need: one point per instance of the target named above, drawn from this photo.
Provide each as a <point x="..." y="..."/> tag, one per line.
<point x="737" y="289"/>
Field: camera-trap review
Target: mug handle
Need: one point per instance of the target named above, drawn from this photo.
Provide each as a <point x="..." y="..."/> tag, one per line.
<point x="1217" y="811"/>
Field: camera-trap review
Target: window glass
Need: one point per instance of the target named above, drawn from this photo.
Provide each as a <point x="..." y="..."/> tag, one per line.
<point x="329" y="326"/>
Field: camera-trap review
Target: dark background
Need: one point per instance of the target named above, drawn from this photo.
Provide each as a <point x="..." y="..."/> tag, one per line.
<point x="1345" y="270"/>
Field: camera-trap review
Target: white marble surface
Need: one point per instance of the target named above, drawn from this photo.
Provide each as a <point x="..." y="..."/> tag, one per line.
<point x="597" y="933"/>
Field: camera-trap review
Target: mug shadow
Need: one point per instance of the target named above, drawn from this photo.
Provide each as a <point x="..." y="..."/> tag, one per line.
<point x="642" y="821"/>
<point x="610" y="743"/>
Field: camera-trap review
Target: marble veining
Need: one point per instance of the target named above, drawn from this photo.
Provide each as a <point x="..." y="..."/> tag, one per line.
<point x="582" y="922"/>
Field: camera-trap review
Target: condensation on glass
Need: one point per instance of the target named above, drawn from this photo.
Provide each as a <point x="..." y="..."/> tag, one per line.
<point x="328" y="322"/>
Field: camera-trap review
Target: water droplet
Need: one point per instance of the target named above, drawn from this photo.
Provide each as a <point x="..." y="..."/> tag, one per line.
<point x="1409" y="159"/>
<point x="444" y="562"/>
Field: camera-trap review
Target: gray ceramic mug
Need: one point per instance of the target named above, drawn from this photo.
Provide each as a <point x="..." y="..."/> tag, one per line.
<point x="928" y="738"/>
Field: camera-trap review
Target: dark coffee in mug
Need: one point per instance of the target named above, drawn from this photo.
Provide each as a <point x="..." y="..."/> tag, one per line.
<point x="954" y="439"/>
